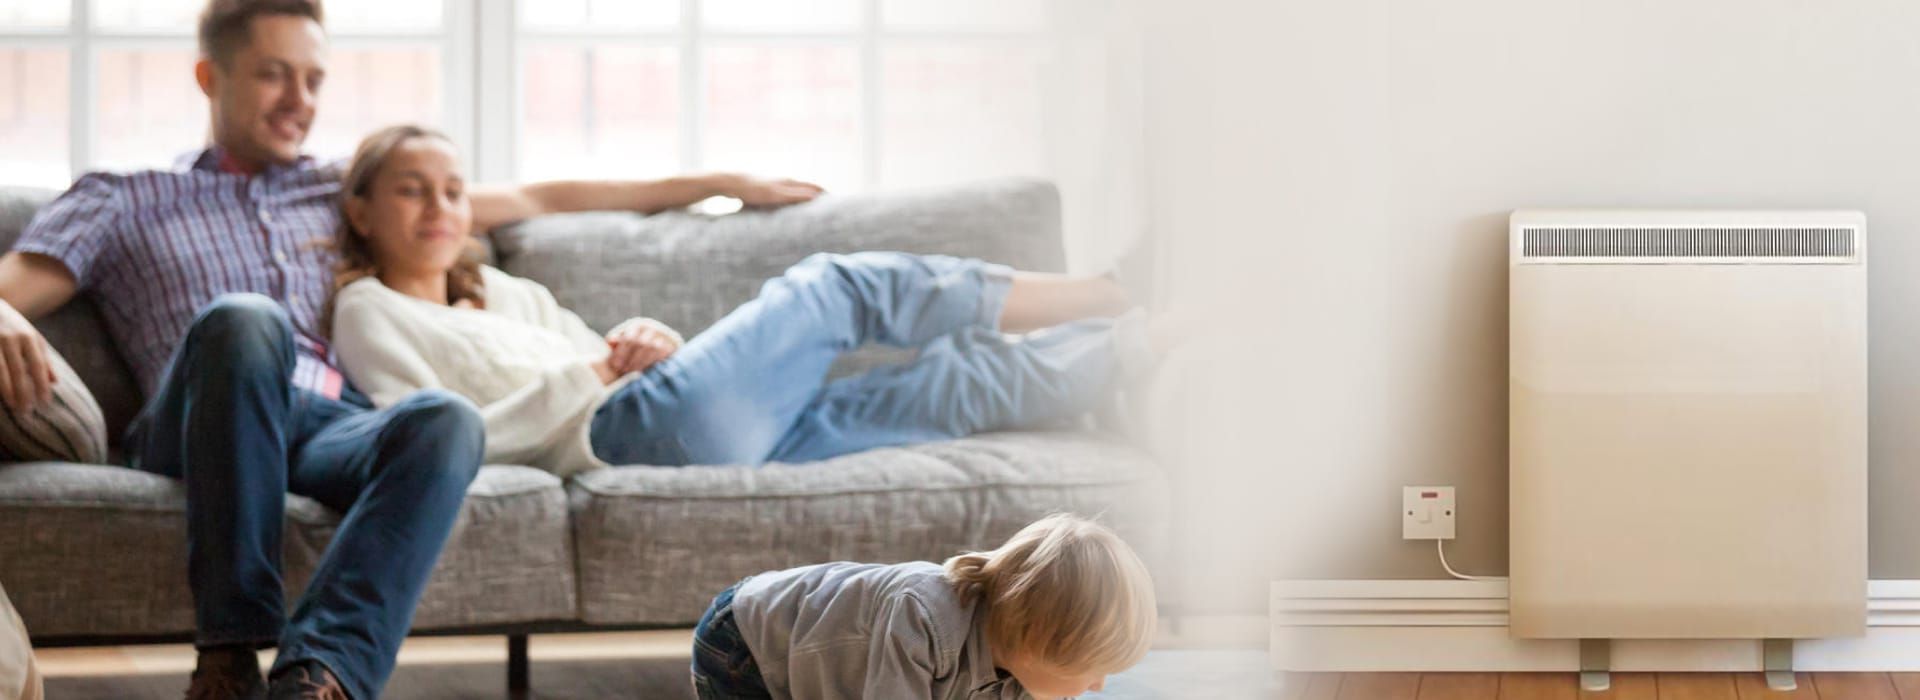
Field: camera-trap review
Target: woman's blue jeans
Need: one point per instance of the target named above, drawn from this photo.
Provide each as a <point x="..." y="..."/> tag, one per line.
<point x="750" y="389"/>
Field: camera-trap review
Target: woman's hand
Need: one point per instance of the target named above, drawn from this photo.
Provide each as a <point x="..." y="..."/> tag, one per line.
<point x="638" y="344"/>
<point x="604" y="371"/>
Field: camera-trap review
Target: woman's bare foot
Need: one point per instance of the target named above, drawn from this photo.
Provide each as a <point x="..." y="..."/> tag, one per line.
<point x="1039" y="300"/>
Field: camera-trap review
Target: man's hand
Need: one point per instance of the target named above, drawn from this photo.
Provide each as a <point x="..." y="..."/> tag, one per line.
<point x="26" y="377"/>
<point x="638" y="344"/>
<point x="761" y="193"/>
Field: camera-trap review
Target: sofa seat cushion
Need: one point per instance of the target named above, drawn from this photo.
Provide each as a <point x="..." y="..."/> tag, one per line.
<point x="655" y="543"/>
<point x="101" y="550"/>
<point x="510" y="558"/>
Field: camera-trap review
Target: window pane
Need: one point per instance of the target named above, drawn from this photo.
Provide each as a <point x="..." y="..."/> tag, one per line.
<point x="972" y="15"/>
<point x="600" y="15"/>
<point x="960" y="112"/>
<point x="370" y="88"/>
<point x="383" y="15"/>
<point x="33" y="14"/>
<point x="782" y="15"/>
<point x="33" y="117"/>
<point x="169" y="15"/>
<point x="600" y="112"/>
<point x="150" y="110"/>
<point x="344" y="16"/>
<point x="785" y="111"/>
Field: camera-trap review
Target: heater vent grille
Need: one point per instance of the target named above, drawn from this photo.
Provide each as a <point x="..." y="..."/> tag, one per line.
<point x="1688" y="242"/>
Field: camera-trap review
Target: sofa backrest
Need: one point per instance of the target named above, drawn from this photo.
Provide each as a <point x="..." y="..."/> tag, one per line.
<point x="689" y="269"/>
<point x="682" y="268"/>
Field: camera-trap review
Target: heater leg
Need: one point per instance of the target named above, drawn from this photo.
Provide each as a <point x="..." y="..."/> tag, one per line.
<point x="1596" y="656"/>
<point x="517" y="666"/>
<point x="1777" y="654"/>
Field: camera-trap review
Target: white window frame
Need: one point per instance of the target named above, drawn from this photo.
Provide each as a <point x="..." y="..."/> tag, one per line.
<point x="84" y="42"/>
<point x="499" y="38"/>
<point x="483" y="83"/>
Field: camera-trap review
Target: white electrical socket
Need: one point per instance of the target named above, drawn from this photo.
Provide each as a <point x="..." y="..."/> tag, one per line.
<point x="1427" y="512"/>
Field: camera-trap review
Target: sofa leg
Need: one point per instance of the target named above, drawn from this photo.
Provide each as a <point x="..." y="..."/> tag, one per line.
<point x="517" y="680"/>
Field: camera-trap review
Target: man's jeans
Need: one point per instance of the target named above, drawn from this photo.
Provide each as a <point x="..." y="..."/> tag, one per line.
<point x="748" y="390"/>
<point x="227" y="421"/>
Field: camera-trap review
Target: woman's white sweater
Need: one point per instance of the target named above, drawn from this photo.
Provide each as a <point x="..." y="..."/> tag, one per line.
<point x="524" y="360"/>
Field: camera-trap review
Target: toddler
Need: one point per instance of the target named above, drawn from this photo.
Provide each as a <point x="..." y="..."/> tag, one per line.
<point x="1047" y="615"/>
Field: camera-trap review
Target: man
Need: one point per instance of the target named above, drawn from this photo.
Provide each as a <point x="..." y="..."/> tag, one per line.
<point x="211" y="277"/>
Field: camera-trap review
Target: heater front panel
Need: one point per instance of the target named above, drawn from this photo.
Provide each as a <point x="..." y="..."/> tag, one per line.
<point x="1688" y="450"/>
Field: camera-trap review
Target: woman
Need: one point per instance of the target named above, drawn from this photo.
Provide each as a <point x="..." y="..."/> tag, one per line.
<point x="414" y="309"/>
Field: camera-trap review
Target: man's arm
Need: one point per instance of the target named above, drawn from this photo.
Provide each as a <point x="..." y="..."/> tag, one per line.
<point x="495" y="206"/>
<point x="34" y="284"/>
<point x="31" y="285"/>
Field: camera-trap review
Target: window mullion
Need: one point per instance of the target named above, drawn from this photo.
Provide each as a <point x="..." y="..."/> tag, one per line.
<point x="496" y="81"/>
<point x="693" y="87"/>
<point x="459" y="64"/>
<point x="870" y="97"/>
<point x="81" y="86"/>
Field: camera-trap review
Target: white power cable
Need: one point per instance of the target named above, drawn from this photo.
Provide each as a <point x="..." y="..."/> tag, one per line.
<point x="1441" y="546"/>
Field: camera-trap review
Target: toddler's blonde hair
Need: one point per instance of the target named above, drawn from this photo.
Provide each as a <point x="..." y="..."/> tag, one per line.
<point x="1065" y="590"/>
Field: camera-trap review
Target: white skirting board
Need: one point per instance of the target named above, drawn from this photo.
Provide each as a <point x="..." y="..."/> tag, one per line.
<point x="1374" y="626"/>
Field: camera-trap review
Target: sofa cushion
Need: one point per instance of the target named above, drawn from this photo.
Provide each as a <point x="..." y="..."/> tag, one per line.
<point x="510" y="558"/>
<point x="76" y="329"/>
<point x="101" y="550"/>
<point x="68" y="427"/>
<point x="655" y="544"/>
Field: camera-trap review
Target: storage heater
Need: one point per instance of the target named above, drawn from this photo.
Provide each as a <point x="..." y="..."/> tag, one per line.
<point x="1688" y="425"/>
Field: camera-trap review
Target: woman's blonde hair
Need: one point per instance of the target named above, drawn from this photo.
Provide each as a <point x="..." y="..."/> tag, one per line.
<point x="1065" y="590"/>
<point x="356" y="255"/>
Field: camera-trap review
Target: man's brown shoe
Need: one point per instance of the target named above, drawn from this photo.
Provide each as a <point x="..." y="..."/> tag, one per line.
<point x="306" y="680"/>
<point x="227" y="673"/>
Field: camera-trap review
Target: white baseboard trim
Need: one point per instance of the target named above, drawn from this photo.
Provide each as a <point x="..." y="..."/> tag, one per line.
<point x="1213" y="632"/>
<point x="1374" y="626"/>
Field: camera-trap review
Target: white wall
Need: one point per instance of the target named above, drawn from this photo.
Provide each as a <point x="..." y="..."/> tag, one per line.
<point x="1337" y="176"/>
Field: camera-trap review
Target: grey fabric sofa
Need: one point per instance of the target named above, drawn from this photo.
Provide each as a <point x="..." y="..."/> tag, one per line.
<point x="94" y="553"/>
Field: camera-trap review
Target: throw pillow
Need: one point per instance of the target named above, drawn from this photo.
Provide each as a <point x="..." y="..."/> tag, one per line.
<point x="67" y="428"/>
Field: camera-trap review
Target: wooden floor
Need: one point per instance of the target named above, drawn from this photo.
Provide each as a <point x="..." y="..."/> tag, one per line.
<point x="1626" y="686"/>
<point x="178" y="659"/>
<point x="649" y="665"/>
